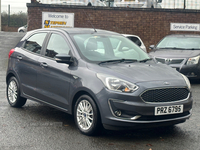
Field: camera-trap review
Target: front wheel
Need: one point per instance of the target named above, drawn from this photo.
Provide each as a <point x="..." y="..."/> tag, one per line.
<point x="13" y="93"/>
<point x="86" y="115"/>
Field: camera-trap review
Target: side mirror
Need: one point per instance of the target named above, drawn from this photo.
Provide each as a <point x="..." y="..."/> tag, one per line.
<point x="152" y="47"/>
<point x="159" y="1"/>
<point x="64" y="58"/>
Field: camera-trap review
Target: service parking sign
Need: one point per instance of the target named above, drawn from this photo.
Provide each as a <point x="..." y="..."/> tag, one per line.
<point x="57" y="20"/>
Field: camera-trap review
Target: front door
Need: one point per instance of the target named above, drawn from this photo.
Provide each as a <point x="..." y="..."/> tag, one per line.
<point x="53" y="78"/>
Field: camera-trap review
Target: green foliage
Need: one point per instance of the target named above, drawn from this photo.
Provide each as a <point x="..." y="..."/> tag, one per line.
<point x="16" y="20"/>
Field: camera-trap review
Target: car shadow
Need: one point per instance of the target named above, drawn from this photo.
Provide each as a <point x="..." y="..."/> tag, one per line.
<point x="39" y="115"/>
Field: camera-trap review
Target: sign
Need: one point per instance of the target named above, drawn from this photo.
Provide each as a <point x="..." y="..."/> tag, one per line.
<point x="184" y="27"/>
<point x="57" y="20"/>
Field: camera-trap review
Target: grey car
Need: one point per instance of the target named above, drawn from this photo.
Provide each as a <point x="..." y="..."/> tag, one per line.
<point x="181" y="52"/>
<point x="98" y="76"/>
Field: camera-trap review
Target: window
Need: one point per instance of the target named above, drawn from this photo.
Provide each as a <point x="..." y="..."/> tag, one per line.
<point x="34" y="43"/>
<point x="135" y="40"/>
<point x="180" y="43"/>
<point x="57" y="45"/>
<point x="97" y="48"/>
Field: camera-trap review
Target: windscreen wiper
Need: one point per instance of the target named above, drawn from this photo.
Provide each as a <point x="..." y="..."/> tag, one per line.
<point x="145" y="60"/>
<point x="172" y="48"/>
<point x="119" y="61"/>
<point x="193" y="49"/>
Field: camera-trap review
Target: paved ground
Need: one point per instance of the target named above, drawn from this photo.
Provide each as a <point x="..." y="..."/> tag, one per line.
<point x="38" y="127"/>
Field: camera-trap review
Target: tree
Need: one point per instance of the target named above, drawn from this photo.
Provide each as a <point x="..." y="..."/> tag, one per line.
<point x="18" y="19"/>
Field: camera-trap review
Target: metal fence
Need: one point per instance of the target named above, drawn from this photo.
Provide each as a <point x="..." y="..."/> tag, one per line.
<point x="165" y="4"/>
<point x="179" y="4"/>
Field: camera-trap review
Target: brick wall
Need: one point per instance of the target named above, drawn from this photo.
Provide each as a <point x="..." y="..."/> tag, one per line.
<point x="150" y="24"/>
<point x="9" y="29"/>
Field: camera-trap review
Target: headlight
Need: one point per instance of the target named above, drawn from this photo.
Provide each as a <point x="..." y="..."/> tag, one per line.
<point x="116" y="84"/>
<point x="187" y="81"/>
<point x="193" y="60"/>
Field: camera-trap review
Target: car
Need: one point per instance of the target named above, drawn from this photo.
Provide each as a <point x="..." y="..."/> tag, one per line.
<point x="181" y="52"/>
<point x="137" y="40"/>
<point x="23" y="29"/>
<point x="80" y="2"/>
<point x="82" y="72"/>
<point x="138" y="3"/>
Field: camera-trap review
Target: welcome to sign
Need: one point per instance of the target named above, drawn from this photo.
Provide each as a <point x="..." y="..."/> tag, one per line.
<point x="57" y="20"/>
<point x="184" y="27"/>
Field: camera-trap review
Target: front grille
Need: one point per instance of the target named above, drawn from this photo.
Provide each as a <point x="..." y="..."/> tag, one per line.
<point x="160" y="60"/>
<point x="165" y="95"/>
<point x="169" y="61"/>
<point x="176" y="61"/>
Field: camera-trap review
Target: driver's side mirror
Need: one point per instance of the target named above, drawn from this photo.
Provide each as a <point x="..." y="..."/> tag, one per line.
<point x="64" y="58"/>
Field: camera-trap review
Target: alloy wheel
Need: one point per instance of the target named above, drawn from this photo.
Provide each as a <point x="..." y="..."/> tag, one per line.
<point x="12" y="91"/>
<point x="84" y="115"/>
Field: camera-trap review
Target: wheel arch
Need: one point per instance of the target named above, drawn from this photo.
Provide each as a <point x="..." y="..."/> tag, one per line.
<point x="9" y="75"/>
<point x="83" y="92"/>
<point x="89" y="4"/>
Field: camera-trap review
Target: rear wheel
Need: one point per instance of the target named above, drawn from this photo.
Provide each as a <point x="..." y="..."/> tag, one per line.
<point x="89" y="4"/>
<point x="13" y="93"/>
<point x="86" y="115"/>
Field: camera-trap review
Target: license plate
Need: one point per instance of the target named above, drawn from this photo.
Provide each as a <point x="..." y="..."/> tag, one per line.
<point x="166" y="110"/>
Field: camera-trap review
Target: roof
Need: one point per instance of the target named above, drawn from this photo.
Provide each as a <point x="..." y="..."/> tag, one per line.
<point x="127" y="35"/>
<point x="79" y="30"/>
<point x="184" y="35"/>
<point x="86" y="30"/>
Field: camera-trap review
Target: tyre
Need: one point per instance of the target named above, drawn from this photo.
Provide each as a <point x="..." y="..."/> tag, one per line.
<point x="86" y="115"/>
<point x="89" y="4"/>
<point x="21" y="31"/>
<point x="13" y="93"/>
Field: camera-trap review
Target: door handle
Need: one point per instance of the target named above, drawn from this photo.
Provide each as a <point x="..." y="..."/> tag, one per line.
<point x="43" y="65"/>
<point x="19" y="57"/>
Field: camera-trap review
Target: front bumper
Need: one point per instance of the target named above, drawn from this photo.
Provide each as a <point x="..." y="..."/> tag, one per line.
<point x="135" y="113"/>
<point x="190" y="71"/>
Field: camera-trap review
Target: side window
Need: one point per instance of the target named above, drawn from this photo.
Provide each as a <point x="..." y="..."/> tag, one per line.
<point x="135" y="40"/>
<point x="34" y="43"/>
<point x="57" y="45"/>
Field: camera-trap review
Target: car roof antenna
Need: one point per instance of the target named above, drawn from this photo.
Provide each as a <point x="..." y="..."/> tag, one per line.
<point x="90" y="21"/>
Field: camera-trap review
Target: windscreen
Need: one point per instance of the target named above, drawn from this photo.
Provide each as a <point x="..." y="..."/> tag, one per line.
<point x="97" y="48"/>
<point x="180" y="43"/>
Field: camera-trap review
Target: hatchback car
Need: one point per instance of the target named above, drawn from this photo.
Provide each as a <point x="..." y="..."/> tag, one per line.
<point x="181" y="52"/>
<point x="80" y="2"/>
<point x="23" y="28"/>
<point x="137" y="40"/>
<point x="82" y="72"/>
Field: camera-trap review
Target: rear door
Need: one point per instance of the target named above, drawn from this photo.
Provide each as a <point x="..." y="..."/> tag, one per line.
<point x="27" y="62"/>
<point x="53" y="78"/>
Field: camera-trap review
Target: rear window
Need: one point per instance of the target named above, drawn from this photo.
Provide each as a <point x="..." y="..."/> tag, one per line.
<point x="135" y="40"/>
<point x="34" y="43"/>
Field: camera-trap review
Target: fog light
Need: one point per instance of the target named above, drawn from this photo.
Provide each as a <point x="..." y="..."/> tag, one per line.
<point x="118" y="113"/>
